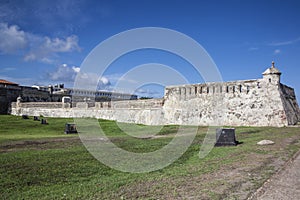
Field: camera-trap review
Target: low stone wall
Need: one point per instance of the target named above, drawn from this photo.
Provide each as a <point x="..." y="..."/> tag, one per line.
<point x="127" y="111"/>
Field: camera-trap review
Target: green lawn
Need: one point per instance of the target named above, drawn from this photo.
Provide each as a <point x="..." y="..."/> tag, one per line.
<point x="15" y="128"/>
<point x="41" y="162"/>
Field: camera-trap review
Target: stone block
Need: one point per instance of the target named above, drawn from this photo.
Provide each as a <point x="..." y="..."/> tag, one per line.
<point x="225" y="137"/>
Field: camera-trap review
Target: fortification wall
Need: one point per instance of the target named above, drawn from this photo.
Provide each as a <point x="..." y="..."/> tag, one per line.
<point x="131" y="111"/>
<point x="260" y="102"/>
<point x="238" y="103"/>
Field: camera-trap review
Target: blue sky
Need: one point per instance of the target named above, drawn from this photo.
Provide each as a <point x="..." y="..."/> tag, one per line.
<point x="45" y="42"/>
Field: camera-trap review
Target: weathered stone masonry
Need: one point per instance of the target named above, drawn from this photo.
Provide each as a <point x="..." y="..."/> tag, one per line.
<point x="260" y="102"/>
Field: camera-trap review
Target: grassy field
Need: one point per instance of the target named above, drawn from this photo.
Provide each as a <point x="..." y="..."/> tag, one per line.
<point x="41" y="162"/>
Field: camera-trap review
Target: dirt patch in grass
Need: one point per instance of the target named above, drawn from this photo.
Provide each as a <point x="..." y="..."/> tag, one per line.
<point x="42" y="144"/>
<point x="235" y="180"/>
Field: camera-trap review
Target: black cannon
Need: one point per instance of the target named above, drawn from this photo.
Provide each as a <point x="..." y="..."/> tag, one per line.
<point x="70" y="128"/>
<point x="25" y="117"/>
<point x="44" y="121"/>
<point x="36" y="118"/>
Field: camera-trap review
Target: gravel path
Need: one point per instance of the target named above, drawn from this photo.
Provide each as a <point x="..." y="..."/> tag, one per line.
<point x="284" y="186"/>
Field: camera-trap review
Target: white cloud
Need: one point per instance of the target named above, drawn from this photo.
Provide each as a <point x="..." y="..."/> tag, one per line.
<point x="253" y="49"/>
<point x="67" y="74"/>
<point x="34" y="47"/>
<point x="91" y="81"/>
<point x="76" y="69"/>
<point x="12" y="39"/>
<point x="30" y="56"/>
<point x="56" y="15"/>
<point x="47" y="60"/>
<point x="105" y="81"/>
<point x="282" y="43"/>
<point x="277" y="51"/>
<point x="104" y="84"/>
<point x="64" y="73"/>
<point x="44" y="49"/>
<point x="6" y="69"/>
<point x="61" y="45"/>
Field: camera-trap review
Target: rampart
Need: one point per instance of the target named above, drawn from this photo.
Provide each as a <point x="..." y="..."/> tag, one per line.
<point x="239" y="103"/>
<point x="132" y="111"/>
<point x="259" y="102"/>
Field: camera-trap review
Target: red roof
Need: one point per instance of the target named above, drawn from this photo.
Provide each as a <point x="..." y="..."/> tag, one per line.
<point x="2" y="81"/>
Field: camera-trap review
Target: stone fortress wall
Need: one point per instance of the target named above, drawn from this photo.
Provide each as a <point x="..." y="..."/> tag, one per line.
<point x="239" y="103"/>
<point x="260" y="102"/>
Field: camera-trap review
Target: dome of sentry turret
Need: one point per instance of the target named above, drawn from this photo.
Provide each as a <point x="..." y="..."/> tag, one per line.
<point x="272" y="70"/>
